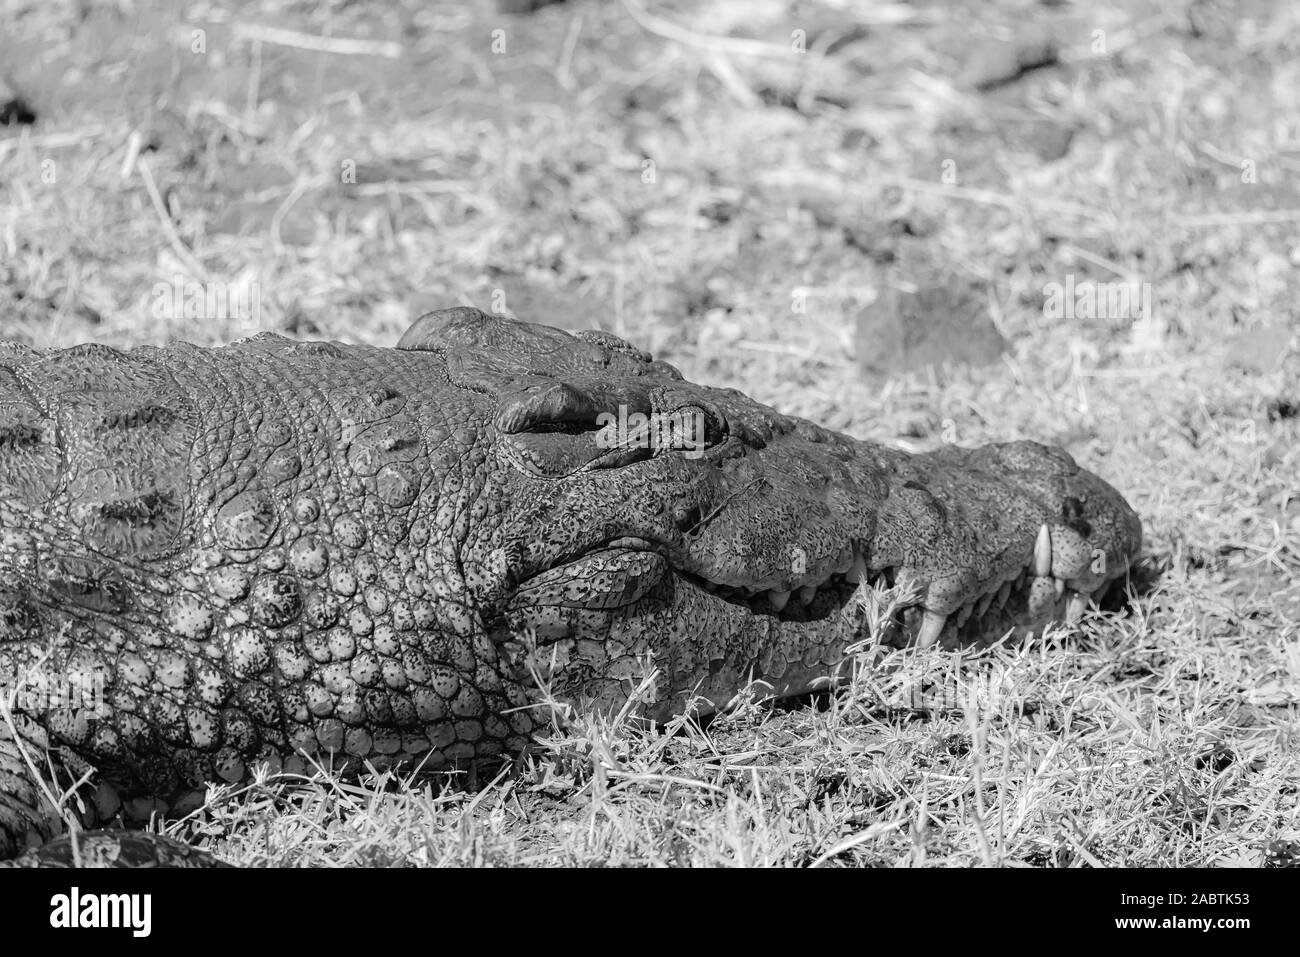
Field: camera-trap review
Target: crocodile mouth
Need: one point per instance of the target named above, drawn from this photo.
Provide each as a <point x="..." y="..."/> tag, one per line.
<point x="1008" y="605"/>
<point x="1051" y="578"/>
<point x="1021" y="599"/>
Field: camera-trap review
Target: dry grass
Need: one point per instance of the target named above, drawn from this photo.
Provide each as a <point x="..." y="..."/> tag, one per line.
<point x="1166" y="735"/>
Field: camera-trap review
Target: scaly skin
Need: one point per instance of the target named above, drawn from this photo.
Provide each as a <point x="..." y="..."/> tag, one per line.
<point x="280" y="549"/>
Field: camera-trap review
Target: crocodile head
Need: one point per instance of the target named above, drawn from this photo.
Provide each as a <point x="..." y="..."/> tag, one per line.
<point x="640" y="518"/>
<point x="276" y="548"/>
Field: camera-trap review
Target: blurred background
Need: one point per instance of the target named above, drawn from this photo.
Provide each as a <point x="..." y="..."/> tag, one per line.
<point x="812" y="199"/>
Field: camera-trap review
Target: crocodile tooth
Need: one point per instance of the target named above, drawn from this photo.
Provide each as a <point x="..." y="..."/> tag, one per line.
<point x="1043" y="553"/>
<point x="1075" y="605"/>
<point x="1060" y="587"/>
<point x="807" y="593"/>
<point x="844" y="561"/>
<point x="964" y="613"/>
<point x="1004" y="593"/>
<point x="931" y="627"/>
<point x="985" y="601"/>
<point x="858" y="571"/>
<point x="1041" y="598"/>
<point x="778" y="598"/>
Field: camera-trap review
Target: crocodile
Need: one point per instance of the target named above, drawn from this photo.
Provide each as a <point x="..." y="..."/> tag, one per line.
<point x="292" y="554"/>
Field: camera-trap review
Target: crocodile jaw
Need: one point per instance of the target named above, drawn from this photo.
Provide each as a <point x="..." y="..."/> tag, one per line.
<point x="972" y="544"/>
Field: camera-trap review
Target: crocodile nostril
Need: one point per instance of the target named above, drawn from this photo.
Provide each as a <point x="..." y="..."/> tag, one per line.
<point x="687" y="517"/>
<point x="1072" y="516"/>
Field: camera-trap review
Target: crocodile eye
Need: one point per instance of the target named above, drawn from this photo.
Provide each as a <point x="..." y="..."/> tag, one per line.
<point x="563" y="430"/>
<point x="554" y="428"/>
<point x="692" y="429"/>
